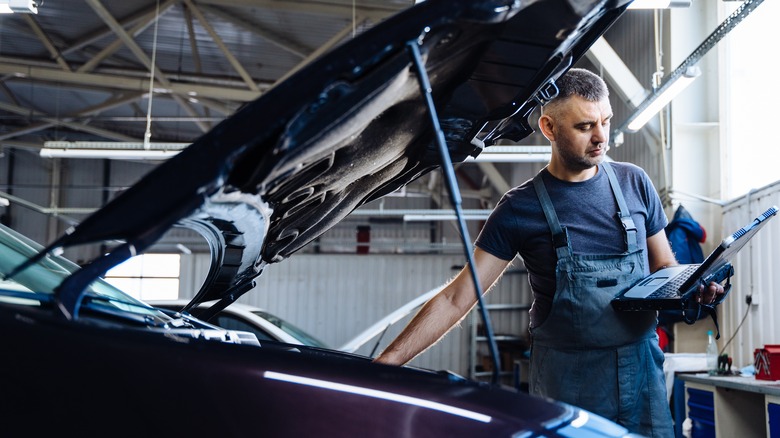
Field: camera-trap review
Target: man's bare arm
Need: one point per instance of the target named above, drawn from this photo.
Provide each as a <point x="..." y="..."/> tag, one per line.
<point x="443" y="311"/>
<point x="659" y="252"/>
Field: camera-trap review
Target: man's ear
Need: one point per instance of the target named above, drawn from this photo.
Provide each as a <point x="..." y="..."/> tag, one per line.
<point x="546" y="126"/>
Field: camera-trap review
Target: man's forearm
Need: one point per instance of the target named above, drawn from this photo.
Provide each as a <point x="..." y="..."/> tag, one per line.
<point x="430" y="324"/>
<point x="443" y="311"/>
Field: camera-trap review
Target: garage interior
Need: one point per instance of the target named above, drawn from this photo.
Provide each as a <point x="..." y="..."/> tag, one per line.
<point x="96" y="93"/>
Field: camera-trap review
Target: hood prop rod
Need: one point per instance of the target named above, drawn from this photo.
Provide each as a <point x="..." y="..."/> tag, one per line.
<point x="229" y="297"/>
<point x="455" y="199"/>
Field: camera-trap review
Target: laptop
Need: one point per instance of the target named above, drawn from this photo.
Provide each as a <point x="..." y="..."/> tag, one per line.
<point x="671" y="288"/>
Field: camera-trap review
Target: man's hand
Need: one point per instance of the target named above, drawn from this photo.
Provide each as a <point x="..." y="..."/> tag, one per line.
<point x="710" y="294"/>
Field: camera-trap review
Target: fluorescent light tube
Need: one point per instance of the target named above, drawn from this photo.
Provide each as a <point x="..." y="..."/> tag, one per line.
<point x="110" y="150"/>
<point x="512" y="154"/>
<point x="20" y="6"/>
<point x="112" y="154"/>
<point x="659" y="4"/>
<point x="660" y="100"/>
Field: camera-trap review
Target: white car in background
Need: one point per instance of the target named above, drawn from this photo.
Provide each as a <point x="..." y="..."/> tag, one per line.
<point x="267" y="326"/>
<point x="237" y="316"/>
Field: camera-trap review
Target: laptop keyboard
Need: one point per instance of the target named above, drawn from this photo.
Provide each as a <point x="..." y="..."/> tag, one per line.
<point x="672" y="288"/>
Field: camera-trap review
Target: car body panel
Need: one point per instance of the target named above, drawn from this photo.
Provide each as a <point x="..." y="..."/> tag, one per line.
<point x="202" y="387"/>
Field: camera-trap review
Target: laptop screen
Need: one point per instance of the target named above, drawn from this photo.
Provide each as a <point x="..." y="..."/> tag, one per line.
<point x="727" y="249"/>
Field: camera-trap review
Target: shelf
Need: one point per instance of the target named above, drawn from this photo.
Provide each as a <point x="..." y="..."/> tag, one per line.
<point x="490" y="373"/>
<point x="500" y="338"/>
<point x="507" y="307"/>
<point x="509" y="340"/>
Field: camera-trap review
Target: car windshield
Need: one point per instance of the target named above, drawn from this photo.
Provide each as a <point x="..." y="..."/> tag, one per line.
<point x="294" y="331"/>
<point x="37" y="283"/>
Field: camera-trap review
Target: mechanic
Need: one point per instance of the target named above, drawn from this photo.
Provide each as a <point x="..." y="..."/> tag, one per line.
<point x="583" y="352"/>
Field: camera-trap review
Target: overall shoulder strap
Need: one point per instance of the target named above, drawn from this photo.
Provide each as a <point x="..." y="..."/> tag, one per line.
<point x="560" y="235"/>
<point x="624" y="215"/>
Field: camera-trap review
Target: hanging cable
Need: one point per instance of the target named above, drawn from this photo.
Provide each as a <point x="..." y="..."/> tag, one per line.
<point x="148" y="133"/>
<point x="354" y="19"/>
<point x="744" y="317"/>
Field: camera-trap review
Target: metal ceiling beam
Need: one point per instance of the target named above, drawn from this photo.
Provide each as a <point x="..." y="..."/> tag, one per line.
<point x="97" y="109"/>
<point x="25" y="145"/>
<point x="139" y="53"/>
<point x="331" y="43"/>
<point x="193" y="40"/>
<point x="53" y="50"/>
<point x="626" y="85"/>
<point x="142" y="23"/>
<point x="61" y="213"/>
<point x="217" y="106"/>
<point x="93" y="37"/>
<point x="130" y="83"/>
<point x="270" y="36"/>
<point x="494" y="176"/>
<point x="154" y="119"/>
<point x="224" y="48"/>
<point x="73" y="125"/>
<point x="8" y="93"/>
<point x="374" y="11"/>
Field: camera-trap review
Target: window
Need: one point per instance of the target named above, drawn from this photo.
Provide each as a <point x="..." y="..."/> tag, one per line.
<point x="749" y="101"/>
<point x="148" y="276"/>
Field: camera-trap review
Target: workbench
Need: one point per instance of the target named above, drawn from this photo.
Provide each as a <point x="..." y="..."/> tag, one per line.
<point x="732" y="406"/>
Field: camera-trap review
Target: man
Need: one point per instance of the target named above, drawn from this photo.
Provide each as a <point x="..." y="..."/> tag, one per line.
<point x="572" y="227"/>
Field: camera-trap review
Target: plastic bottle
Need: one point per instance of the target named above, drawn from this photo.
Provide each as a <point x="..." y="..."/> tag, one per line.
<point x="711" y="353"/>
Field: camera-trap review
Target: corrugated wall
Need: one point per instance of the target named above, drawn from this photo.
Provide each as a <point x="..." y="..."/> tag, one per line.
<point x="756" y="274"/>
<point x="335" y="297"/>
<point x="61" y="184"/>
<point x="632" y="37"/>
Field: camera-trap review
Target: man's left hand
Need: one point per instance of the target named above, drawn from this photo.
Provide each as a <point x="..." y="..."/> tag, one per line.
<point x="710" y="294"/>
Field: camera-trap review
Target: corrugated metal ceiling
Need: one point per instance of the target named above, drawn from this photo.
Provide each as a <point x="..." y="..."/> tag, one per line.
<point x="71" y="72"/>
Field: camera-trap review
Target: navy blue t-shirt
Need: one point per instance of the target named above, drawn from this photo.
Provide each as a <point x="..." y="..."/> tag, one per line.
<point x="588" y="210"/>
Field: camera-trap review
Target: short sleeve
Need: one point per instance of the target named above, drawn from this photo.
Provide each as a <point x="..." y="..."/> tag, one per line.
<point x="496" y="237"/>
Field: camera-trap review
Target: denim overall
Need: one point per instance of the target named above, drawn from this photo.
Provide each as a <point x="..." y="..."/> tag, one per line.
<point x="585" y="353"/>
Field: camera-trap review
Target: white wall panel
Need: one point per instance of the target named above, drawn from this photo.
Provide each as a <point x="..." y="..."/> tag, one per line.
<point x="335" y="297"/>
<point x="756" y="274"/>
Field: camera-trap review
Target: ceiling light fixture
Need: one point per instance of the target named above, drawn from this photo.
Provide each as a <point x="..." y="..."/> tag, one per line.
<point x="111" y="150"/>
<point x="659" y="4"/>
<point x="18" y="6"/>
<point x="512" y="154"/>
<point x="665" y="93"/>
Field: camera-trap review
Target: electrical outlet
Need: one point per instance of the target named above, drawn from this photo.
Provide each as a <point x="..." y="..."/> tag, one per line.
<point x="751" y="300"/>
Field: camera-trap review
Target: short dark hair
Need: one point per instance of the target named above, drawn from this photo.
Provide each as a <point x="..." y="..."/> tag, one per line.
<point x="580" y="82"/>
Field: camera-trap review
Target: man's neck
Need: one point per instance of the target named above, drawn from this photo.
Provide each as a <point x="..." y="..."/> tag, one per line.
<point x="564" y="174"/>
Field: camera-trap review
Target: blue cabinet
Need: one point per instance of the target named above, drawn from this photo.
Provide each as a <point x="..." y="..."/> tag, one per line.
<point x="701" y="411"/>
<point x="773" y="416"/>
<point x="731" y="406"/>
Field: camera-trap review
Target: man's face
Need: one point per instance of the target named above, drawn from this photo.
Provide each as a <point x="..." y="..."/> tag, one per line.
<point x="581" y="132"/>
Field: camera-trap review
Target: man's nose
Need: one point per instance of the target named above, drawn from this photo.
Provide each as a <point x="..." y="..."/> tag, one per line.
<point x="600" y="134"/>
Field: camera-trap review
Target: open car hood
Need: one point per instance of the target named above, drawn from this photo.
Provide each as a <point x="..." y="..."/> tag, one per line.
<point x="348" y="128"/>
